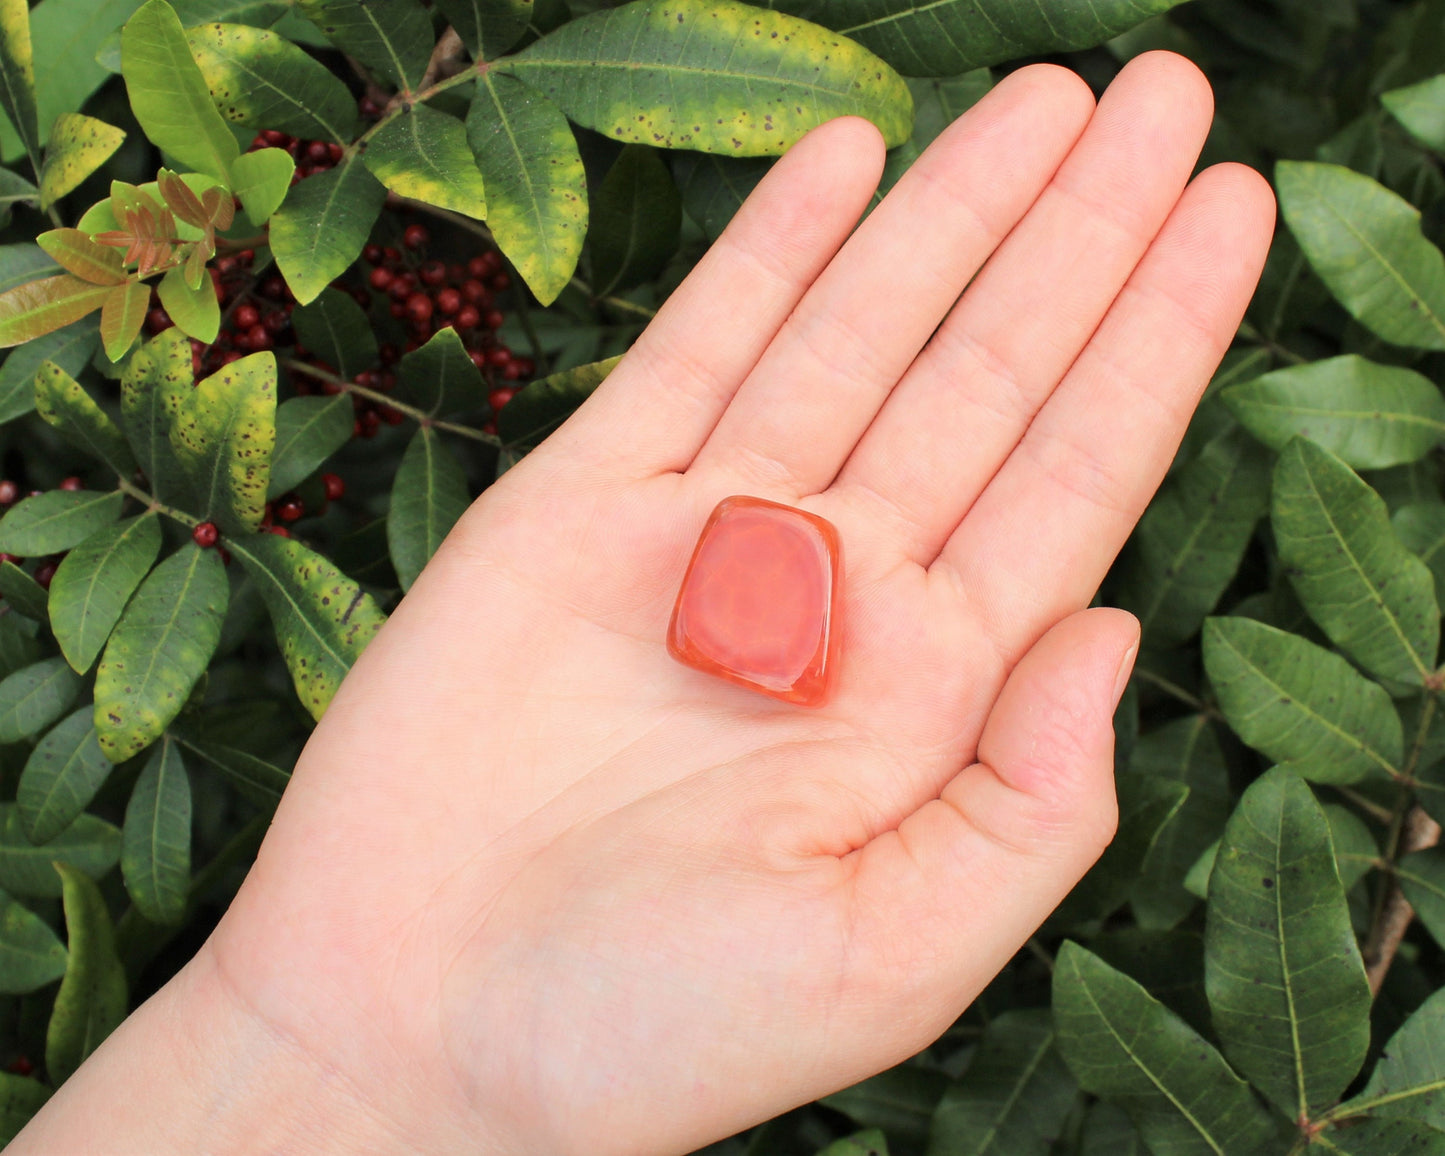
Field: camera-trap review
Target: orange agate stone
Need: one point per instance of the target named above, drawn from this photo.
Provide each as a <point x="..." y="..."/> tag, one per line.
<point x="756" y="604"/>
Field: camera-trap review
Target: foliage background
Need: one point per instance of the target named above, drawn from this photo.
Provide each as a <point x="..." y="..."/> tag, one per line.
<point x="1255" y="965"/>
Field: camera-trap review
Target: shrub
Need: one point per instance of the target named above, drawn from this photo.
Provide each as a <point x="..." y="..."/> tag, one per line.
<point x="286" y="293"/>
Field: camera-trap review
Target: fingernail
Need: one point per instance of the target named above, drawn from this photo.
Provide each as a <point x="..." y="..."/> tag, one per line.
<point x="1126" y="668"/>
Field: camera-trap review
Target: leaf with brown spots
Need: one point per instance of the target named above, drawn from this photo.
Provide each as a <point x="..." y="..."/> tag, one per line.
<point x="223" y="436"/>
<point x="323" y="619"/>
<point x="161" y="646"/>
<point x="156" y="378"/>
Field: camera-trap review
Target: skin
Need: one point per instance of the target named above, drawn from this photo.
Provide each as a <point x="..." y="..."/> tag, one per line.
<point x="537" y="888"/>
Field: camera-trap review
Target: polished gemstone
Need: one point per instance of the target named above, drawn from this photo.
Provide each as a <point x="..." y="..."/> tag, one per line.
<point x="757" y="603"/>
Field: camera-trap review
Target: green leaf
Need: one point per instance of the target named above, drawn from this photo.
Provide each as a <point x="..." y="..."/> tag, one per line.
<point x="944" y="37"/>
<point x="79" y="145"/>
<point x="488" y="27"/>
<point x="937" y="103"/>
<point x="20" y="1098"/>
<point x="30" y="953"/>
<point x="260" y="181"/>
<point x="1126" y="1047"/>
<point x="161" y="646"/>
<point x="223" y="435"/>
<point x="1371" y="596"/>
<point x="1184" y="751"/>
<point x="53" y="522"/>
<point x="1190" y="541"/>
<point x="1372" y="416"/>
<point x="168" y="94"/>
<point x="394" y="39"/>
<point x="1287" y="988"/>
<point x="321" y="226"/>
<point x="1365" y="243"/>
<point x="873" y="1142"/>
<point x="20" y="264"/>
<point x="544" y="405"/>
<point x="70" y="348"/>
<point x="1301" y="705"/>
<point x="157" y="377"/>
<point x="1383" y="1138"/>
<point x="263" y="782"/>
<point x="712" y="75"/>
<point x="95" y="581"/>
<point x="536" y="185"/>
<point x="90" y="844"/>
<point x="196" y="312"/>
<point x="335" y="329"/>
<point x="1408" y="1082"/>
<point x="92" y="997"/>
<point x="636" y="221"/>
<point x="1421" y="528"/>
<point x="25" y="595"/>
<point x="75" y="252"/>
<point x="17" y="75"/>
<point x="423" y="154"/>
<point x="122" y="316"/>
<point x="1108" y="1132"/>
<point x="428" y="495"/>
<point x="714" y="188"/>
<point x="308" y="431"/>
<point x="261" y="80"/>
<point x="323" y="619"/>
<point x="1422" y="879"/>
<point x="63" y="403"/>
<point x="1420" y="109"/>
<point x="1356" y="852"/>
<point x="61" y="776"/>
<point x="440" y="377"/>
<point x="41" y="307"/>
<point x="57" y="520"/>
<point x="155" y="857"/>
<point x="1013" y="1097"/>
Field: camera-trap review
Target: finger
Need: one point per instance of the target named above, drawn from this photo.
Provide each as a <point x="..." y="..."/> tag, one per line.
<point x="804" y="405"/>
<point x="966" y="402"/>
<point x="658" y="406"/>
<point x="945" y="900"/>
<point x="1039" y="540"/>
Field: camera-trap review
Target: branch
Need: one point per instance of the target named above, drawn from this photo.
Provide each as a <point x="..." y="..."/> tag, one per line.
<point x="1393" y="919"/>
<point x="446" y="59"/>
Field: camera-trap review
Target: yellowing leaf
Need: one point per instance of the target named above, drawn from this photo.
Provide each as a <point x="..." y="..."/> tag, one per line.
<point x="76" y="253"/>
<point x="78" y="146"/>
<point x="423" y="154"/>
<point x="121" y="317"/>
<point x="30" y="311"/>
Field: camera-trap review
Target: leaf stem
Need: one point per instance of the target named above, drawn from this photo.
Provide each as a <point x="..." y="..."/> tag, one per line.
<point x="403" y="102"/>
<point x="420" y="416"/>
<point x="612" y="302"/>
<point x="1174" y="690"/>
<point x="151" y="502"/>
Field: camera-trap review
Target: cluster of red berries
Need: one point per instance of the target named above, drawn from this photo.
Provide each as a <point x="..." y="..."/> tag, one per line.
<point x="285" y="509"/>
<point x="311" y="156"/>
<point x="10" y="493"/>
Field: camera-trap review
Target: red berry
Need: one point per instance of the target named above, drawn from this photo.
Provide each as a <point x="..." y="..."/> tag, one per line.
<point x="246" y="256"/>
<point x="274" y="288"/>
<point x="456" y="272"/>
<point x="245" y="316"/>
<point x="398" y="309"/>
<point x="499" y="356"/>
<point x="489" y="427"/>
<point x="225" y="555"/>
<point x="391" y="416"/>
<point x="371" y="254"/>
<point x="448" y="301"/>
<point x="158" y="320"/>
<point x="499" y="397"/>
<point x="392" y="254"/>
<point x="44" y="573"/>
<point x="72" y="484"/>
<point x="525" y="366"/>
<point x="275" y="137"/>
<point x="13" y="559"/>
<point x="280" y="531"/>
<point x="494" y="319"/>
<point x="401" y="286"/>
<point x="379" y="278"/>
<point x="233" y="355"/>
<point x="335" y="152"/>
<point x="9" y="493"/>
<point x="468" y="317"/>
<point x="335" y="487"/>
<point x="419" y="307"/>
<point x="21" y="1065"/>
<point x="205" y="535"/>
<point x="370" y="423"/>
<point x="479" y="357"/>
<point x="511" y="371"/>
<point x="318" y="152"/>
<point x="500" y="281"/>
<point x="368" y="107"/>
<point x="276" y="321"/>
<point x="258" y="338"/>
<point x="415" y="236"/>
<point x="433" y="273"/>
<point x="290" y="508"/>
<point x="476" y="293"/>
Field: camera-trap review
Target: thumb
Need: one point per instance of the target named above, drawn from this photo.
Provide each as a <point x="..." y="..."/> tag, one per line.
<point x="953" y="893"/>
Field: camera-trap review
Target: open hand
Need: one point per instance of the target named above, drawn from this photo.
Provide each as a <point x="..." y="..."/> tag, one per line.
<point x="536" y="887"/>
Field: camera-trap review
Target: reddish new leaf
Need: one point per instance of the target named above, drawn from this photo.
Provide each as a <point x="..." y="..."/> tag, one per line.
<point x="40" y="307"/>
<point x="220" y="207"/>
<point x="184" y="203"/>
<point x="76" y="253"/>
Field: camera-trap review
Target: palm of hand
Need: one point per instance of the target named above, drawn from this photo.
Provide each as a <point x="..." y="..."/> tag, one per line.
<point x="588" y="895"/>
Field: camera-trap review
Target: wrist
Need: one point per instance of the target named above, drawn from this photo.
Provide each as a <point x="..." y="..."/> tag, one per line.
<point x="193" y="1070"/>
